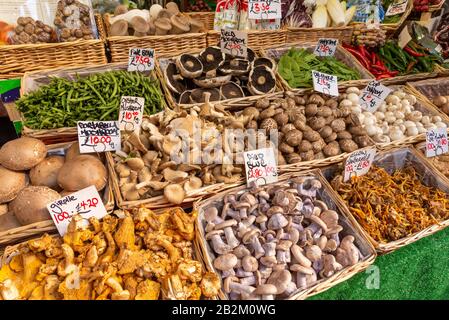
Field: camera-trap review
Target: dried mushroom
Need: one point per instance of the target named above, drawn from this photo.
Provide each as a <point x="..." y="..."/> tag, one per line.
<point x="139" y="257"/>
<point x="74" y="21"/>
<point x="29" y="30"/>
<point x="270" y="242"/>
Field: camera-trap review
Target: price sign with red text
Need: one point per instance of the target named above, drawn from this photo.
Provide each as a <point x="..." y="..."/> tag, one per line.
<point x="436" y="142"/>
<point x="396" y="8"/>
<point x="326" y="47"/>
<point x="264" y="9"/>
<point x="141" y="59"/>
<point x="373" y="96"/>
<point x="98" y="136"/>
<point x="234" y="42"/>
<point x="131" y="113"/>
<point x="87" y="203"/>
<point x="358" y="163"/>
<point x="260" y="166"/>
<point x="325" y="83"/>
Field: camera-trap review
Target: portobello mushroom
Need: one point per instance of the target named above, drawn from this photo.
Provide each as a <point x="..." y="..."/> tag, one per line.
<point x="211" y="58"/>
<point x="214" y="82"/>
<point x="264" y="62"/>
<point x="261" y="80"/>
<point x="175" y="81"/>
<point x="235" y="67"/>
<point x="189" y="66"/>
<point x="198" y="96"/>
<point x="231" y="90"/>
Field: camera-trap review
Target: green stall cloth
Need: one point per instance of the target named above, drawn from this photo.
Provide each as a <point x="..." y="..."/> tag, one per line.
<point x="417" y="271"/>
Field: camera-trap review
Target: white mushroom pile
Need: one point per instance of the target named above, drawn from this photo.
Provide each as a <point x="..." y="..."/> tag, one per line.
<point x="269" y="242"/>
<point x="395" y="119"/>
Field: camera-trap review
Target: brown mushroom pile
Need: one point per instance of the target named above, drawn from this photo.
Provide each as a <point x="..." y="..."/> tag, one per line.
<point x="30" y="31"/>
<point x="74" y="21"/>
<point x="310" y="127"/>
<point x="190" y="76"/>
<point x="31" y="179"/>
<point x="442" y="102"/>
<point x="273" y="241"/>
<point x="158" y="21"/>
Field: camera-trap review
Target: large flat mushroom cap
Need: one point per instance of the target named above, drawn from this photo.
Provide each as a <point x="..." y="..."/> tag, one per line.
<point x="214" y="82"/>
<point x="174" y="79"/>
<point x="261" y="80"/>
<point x="212" y="58"/>
<point x="189" y="66"/>
<point x="231" y="90"/>
<point x="197" y="95"/>
<point x="235" y="67"/>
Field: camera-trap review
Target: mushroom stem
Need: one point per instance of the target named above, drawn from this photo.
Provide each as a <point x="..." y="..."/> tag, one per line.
<point x="231" y="240"/>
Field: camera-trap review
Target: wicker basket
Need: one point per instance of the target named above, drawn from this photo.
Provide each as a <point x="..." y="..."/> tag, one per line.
<point x="428" y="89"/>
<point x="229" y="103"/>
<point x="384" y="159"/>
<point x="423" y="106"/>
<point x="165" y="45"/>
<point x="58" y="135"/>
<point x="17" y="232"/>
<point x="341" y="54"/>
<point x="436" y="7"/>
<point x="327" y="196"/>
<point x="343" y="34"/>
<point x="205" y="17"/>
<point x="18" y="59"/>
<point x="257" y="39"/>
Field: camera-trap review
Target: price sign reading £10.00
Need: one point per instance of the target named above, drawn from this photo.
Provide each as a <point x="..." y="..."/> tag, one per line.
<point x="358" y="163"/>
<point x="260" y="166"/>
<point x="98" y="136"/>
<point x="326" y="47"/>
<point x="264" y="9"/>
<point x="373" y="95"/>
<point x="86" y="202"/>
<point x="436" y="142"/>
<point x="234" y="42"/>
<point x="141" y="59"/>
<point x="325" y="83"/>
<point x="131" y="112"/>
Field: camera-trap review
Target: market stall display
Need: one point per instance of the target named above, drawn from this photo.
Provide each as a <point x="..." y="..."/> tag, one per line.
<point x="401" y="183"/>
<point x="296" y="62"/>
<point x="34" y="175"/>
<point x="141" y="256"/>
<point x="433" y="91"/>
<point x="286" y="240"/>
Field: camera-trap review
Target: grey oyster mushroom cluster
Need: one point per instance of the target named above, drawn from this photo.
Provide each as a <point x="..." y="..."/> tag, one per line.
<point x="156" y="21"/>
<point x="74" y="21"/>
<point x="310" y="126"/>
<point x="190" y="76"/>
<point x="30" y="31"/>
<point x="167" y="158"/>
<point x="273" y="241"/>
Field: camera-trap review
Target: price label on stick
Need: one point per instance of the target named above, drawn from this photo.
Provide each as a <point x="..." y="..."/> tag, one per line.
<point x="141" y="59"/>
<point x="98" y="136"/>
<point x="234" y="42"/>
<point x="326" y="47"/>
<point x="358" y="163"/>
<point x="373" y="95"/>
<point x="396" y="8"/>
<point x="436" y="142"/>
<point x="260" y="166"/>
<point x="131" y="112"/>
<point x="325" y="83"/>
<point x="264" y="9"/>
<point x="86" y="202"/>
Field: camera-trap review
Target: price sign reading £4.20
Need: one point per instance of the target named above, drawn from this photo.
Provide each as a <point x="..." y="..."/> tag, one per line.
<point x="325" y="83"/>
<point x="98" y="136"/>
<point x="87" y="203"/>
<point x="358" y="163"/>
<point x="141" y="59"/>
<point x="131" y="112"/>
<point x="373" y="95"/>
<point x="436" y="142"/>
<point x="326" y="47"/>
<point x="264" y="9"/>
<point x="260" y="166"/>
<point x="234" y="42"/>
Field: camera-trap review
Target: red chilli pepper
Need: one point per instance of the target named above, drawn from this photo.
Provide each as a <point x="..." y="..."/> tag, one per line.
<point x="383" y="76"/>
<point x="413" y="53"/>
<point x="360" y="57"/>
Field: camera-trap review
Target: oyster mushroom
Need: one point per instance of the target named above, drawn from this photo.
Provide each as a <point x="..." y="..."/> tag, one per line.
<point x="174" y="193"/>
<point x="189" y="66"/>
<point x="261" y="80"/>
<point x="231" y="90"/>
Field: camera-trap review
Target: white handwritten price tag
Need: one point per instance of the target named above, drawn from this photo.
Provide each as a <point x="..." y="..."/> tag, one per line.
<point x="396" y="8"/>
<point x="264" y="9"/>
<point x="358" y="163"/>
<point x="260" y="166"/>
<point x="141" y="59"/>
<point x="234" y="42"/>
<point x="436" y="142"/>
<point x="325" y="83"/>
<point x="373" y="95"/>
<point x="98" y="136"/>
<point x="326" y="47"/>
<point x="131" y="113"/>
<point x="86" y="202"/>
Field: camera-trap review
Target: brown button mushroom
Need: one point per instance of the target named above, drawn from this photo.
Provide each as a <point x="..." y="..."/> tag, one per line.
<point x="46" y="172"/>
<point x="22" y="154"/>
<point x="11" y="183"/>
